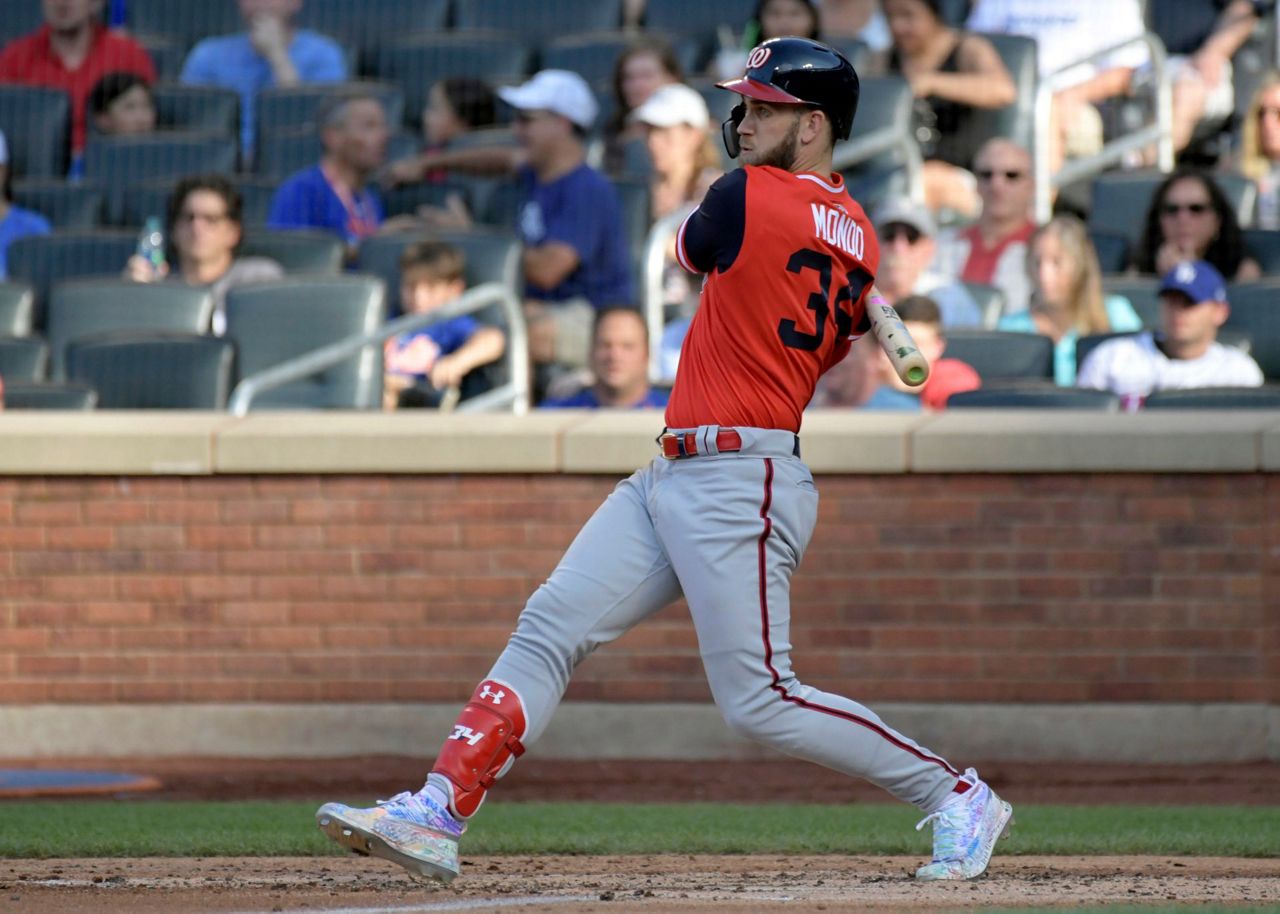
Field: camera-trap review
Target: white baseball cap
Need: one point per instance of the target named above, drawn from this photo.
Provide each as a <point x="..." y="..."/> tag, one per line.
<point x="562" y="92"/>
<point x="671" y="105"/>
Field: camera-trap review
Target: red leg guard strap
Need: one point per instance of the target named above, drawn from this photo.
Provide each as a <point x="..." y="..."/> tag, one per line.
<point x="484" y="741"/>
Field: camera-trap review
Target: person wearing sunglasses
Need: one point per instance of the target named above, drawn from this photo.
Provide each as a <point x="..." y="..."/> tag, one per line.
<point x="908" y="243"/>
<point x="1184" y="354"/>
<point x="205" y="229"/>
<point x="1191" y="219"/>
<point x="993" y="250"/>
<point x="1259" y="157"/>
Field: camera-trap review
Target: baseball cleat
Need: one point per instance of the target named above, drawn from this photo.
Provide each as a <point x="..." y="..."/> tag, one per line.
<point x="965" y="831"/>
<point x="409" y="829"/>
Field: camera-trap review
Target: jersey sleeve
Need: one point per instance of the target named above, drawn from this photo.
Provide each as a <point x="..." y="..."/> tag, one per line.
<point x="711" y="236"/>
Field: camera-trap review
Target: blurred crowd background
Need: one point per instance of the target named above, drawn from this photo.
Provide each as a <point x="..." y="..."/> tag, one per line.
<point x="471" y="204"/>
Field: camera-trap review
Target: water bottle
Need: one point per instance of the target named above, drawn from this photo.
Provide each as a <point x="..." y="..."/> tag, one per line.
<point x="151" y="244"/>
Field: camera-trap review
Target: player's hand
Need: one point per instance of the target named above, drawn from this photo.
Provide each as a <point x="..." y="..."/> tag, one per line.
<point x="448" y="371"/>
<point x="139" y="269"/>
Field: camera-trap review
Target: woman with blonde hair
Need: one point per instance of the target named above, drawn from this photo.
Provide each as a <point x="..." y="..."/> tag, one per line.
<point x="1260" y="149"/>
<point x="1066" y="294"/>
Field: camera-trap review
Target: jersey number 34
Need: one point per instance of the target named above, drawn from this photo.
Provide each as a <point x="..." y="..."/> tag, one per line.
<point x="859" y="279"/>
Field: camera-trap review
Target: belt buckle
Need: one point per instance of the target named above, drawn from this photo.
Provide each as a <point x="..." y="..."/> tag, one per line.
<point x="662" y="445"/>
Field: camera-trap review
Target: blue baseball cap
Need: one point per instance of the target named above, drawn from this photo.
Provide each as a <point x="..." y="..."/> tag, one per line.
<point x="1197" y="280"/>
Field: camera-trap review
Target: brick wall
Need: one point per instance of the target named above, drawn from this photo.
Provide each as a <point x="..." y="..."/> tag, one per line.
<point x="1057" y="588"/>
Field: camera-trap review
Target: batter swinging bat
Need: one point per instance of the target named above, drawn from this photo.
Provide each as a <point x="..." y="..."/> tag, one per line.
<point x="908" y="361"/>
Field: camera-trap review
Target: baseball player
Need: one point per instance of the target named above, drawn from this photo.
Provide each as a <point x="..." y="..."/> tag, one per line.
<point x="724" y="513"/>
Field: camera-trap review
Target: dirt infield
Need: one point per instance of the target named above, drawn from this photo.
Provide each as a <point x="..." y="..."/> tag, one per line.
<point x="649" y="885"/>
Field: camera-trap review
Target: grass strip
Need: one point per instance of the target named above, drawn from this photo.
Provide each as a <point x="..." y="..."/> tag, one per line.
<point x="137" y="828"/>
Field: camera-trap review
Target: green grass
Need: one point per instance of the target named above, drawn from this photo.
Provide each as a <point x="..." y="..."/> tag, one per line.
<point x="148" y="828"/>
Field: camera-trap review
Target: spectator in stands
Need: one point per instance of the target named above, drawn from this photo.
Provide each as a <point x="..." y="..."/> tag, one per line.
<point x="993" y="251"/>
<point x="772" y="19"/>
<point x="205" y="229"/>
<point x="121" y="104"/>
<point x="923" y="321"/>
<point x="1201" y="37"/>
<point x="1191" y="219"/>
<point x="335" y="194"/>
<point x="15" y="222"/>
<point x="1067" y="33"/>
<point x="422" y="365"/>
<point x="907" y="235"/>
<point x="71" y="52"/>
<point x="642" y="69"/>
<point x="1186" y="353"/>
<point x="455" y="106"/>
<point x="861" y="20"/>
<point x="619" y="366"/>
<point x="1066" y="294"/>
<point x="951" y="73"/>
<point x="270" y="53"/>
<point x="575" y="251"/>
<point x="1260" y="150"/>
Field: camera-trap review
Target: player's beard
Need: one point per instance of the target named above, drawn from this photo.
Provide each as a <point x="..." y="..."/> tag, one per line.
<point x="784" y="154"/>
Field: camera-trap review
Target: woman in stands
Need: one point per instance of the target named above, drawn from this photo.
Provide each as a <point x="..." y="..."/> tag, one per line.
<point x="1066" y="294"/>
<point x="455" y="106"/>
<point x="205" y="229"/>
<point x="952" y="73"/>
<point x="1260" y="150"/>
<point x="642" y="69"/>
<point x="1191" y="219"/>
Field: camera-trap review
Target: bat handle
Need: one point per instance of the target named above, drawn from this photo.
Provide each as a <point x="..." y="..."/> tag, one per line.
<point x="908" y="361"/>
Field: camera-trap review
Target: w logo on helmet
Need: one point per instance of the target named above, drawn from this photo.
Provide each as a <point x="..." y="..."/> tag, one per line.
<point x="759" y="55"/>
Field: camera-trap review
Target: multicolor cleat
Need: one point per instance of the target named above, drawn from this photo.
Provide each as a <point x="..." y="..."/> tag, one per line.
<point x="965" y="831"/>
<point x="409" y="829"/>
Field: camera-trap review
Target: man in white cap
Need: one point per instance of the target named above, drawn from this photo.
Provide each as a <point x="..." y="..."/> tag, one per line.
<point x="575" y="252"/>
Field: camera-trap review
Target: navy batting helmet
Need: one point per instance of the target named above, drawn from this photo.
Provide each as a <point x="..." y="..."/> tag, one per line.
<point x="796" y="71"/>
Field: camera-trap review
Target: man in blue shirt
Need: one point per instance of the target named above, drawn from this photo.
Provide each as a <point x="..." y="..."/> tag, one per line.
<point x="619" y="366"/>
<point x="575" y="251"/>
<point x="271" y="53"/>
<point x="335" y="194"/>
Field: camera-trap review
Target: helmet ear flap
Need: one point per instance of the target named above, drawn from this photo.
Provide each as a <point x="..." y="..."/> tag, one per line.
<point x="729" y="131"/>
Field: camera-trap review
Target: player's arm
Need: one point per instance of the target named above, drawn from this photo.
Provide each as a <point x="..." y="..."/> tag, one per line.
<point x="711" y="236"/>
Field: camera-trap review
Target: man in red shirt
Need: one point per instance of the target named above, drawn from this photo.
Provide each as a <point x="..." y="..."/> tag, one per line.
<point x="993" y="251"/>
<point x="71" y="52"/>
<point x="723" y="515"/>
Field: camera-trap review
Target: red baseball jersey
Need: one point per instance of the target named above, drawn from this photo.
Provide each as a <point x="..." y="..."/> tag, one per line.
<point x="790" y="258"/>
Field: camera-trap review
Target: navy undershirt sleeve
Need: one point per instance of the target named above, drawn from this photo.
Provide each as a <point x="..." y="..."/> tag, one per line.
<point x="713" y="234"/>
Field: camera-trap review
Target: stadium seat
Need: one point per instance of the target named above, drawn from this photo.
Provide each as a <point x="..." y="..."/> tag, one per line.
<point x="1265" y="397"/>
<point x="19" y="19"/>
<point x="183" y="22"/>
<point x="681" y="17"/>
<point x="256" y="194"/>
<point x="280" y="153"/>
<point x="1015" y="121"/>
<point x="1264" y="247"/>
<point x="120" y="162"/>
<point x="1142" y="293"/>
<point x="296" y="107"/>
<point x="592" y="56"/>
<point x="36" y="123"/>
<point x="85" y="308"/>
<point x="542" y="20"/>
<point x="42" y="260"/>
<point x="298" y="251"/>
<point x="23" y="358"/>
<point x="1112" y="249"/>
<point x="49" y="396"/>
<point x="884" y="106"/>
<point x="405" y="200"/>
<point x="1041" y="397"/>
<point x="66" y="204"/>
<point x="167" y="55"/>
<point x="999" y="354"/>
<point x="144" y="200"/>
<point x="990" y="300"/>
<point x="277" y="322"/>
<point x="491" y="256"/>
<point x="17" y="308"/>
<point x="1255" y="312"/>
<point x="417" y="64"/>
<point x="1086" y="344"/>
<point x="366" y="24"/>
<point x="502" y="205"/>
<point x="154" y="370"/>
<point x="203" y="109"/>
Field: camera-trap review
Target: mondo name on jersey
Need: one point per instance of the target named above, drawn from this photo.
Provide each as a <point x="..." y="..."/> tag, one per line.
<point x="837" y="228"/>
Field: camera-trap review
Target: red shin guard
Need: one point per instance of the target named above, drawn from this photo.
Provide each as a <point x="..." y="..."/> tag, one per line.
<point x="484" y="743"/>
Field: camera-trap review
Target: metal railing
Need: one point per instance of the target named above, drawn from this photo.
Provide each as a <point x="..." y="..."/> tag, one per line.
<point x="656" y="245"/>
<point x="513" y="394"/>
<point x="893" y="138"/>
<point x="1159" y="133"/>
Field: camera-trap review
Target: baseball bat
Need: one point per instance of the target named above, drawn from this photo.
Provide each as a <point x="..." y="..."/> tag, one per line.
<point x="908" y="361"/>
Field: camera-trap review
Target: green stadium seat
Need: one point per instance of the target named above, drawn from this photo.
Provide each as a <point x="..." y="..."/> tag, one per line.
<point x="1216" y="398"/>
<point x="36" y="123"/>
<point x="277" y="322"/>
<point x="1044" y="397"/>
<point x="203" y="109"/>
<point x="300" y="251"/>
<point x="364" y="25"/>
<point x="49" y="396"/>
<point x="295" y="108"/>
<point x="17" y="308"/>
<point x="66" y="204"/>
<point x="23" y="358"/>
<point x="542" y="20"/>
<point x="42" y="260"/>
<point x="118" y="163"/>
<point x="1002" y="355"/>
<point x="184" y="22"/>
<point x="154" y="370"/>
